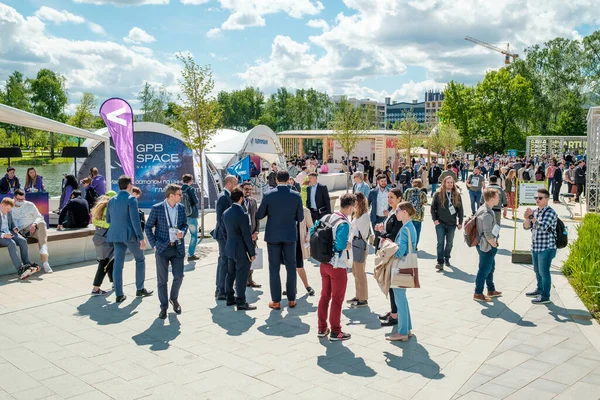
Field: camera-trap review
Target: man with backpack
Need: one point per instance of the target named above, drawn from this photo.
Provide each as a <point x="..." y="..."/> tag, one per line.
<point x="329" y="238"/>
<point x="488" y="232"/>
<point x="190" y="201"/>
<point x="502" y="200"/>
<point x="543" y="223"/>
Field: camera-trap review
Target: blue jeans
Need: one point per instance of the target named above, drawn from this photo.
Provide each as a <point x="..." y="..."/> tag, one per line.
<point x="433" y="188"/>
<point x="475" y="200"/>
<point x="551" y="185"/>
<point x="464" y="174"/>
<point x="417" y="225"/>
<point x="541" y="266"/>
<point x="170" y="255"/>
<point x="193" y="228"/>
<point x="404" y="322"/>
<point x="12" y="244"/>
<point x="485" y="274"/>
<point x="445" y="240"/>
<point x="140" y="265"/>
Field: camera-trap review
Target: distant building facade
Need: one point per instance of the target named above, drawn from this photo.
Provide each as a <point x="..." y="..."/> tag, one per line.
<point x="395" y="112"/>
<point x="433" y="104"/>
<point x="378" y="108"/>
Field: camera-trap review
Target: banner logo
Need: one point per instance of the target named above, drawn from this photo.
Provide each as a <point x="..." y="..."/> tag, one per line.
<point x="118" y="117"/>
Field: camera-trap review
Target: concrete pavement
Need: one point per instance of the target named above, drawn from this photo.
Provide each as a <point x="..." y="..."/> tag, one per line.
<point x="58" y="342"/>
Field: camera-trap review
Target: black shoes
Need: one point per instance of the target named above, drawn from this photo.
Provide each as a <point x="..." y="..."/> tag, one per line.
<point x="231" y="302"/>
<point x="221" y="297"/>
<point x="439" y="267"/>
<point x="385" y="316"/>
<point x="193" y="258"/>
<point x="121" y="298"/>
<point x="447" y="263"/>
<point x="535" y="293"/>
<point x="246" y="307"/>
<point x="359" y="304"/>
<point x="338" y="337"/>
<point x="311" y="291"/>
<point x="144" y="293"/>
<point x="176" y="306"/>
<point x="163" y="313"/>
<point x="390" y="321"/>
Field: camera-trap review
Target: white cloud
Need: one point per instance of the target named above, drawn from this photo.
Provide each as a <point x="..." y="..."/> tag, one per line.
<point x="142" y="50"/>
<point x="217" y="57"/>
<point x="60" y="17"/>
<point x="123" y="2"/>
<point x="213" y="33"/>
<point x="103" y="67"/>
<point x="194" y="2"/>
<point x="137" y="36"/>
<point x="319" y="24"/>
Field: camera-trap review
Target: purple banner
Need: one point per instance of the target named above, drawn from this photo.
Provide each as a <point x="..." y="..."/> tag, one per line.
<point x="118" y="117"/>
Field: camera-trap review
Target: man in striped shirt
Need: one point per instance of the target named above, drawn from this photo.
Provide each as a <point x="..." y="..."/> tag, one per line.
<point x="542" y="223"/>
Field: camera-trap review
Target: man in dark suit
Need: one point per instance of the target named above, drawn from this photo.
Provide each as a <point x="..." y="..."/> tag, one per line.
<point x="558" y="180"/>
<point x="165" y="228"/>
<point x="378" y="201"/>
<point x="284" y="209"/>
<point x="125" y="232"/>
<point x="75" y="214"/>
<point x="250" y="207"/>
<point x="434" y="176"/>
<point x="223" y="203"/>
<point x="317" y="198"/>
<point x="240" y="251"/>
<point x="580" y="179"/>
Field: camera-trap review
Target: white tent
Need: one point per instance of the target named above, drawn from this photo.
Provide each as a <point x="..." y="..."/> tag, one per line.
<point x="229" y="146"/>
<point x="421" y="151"/>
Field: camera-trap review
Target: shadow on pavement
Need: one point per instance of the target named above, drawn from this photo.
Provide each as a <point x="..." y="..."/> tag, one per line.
<point x="362" y="316"/>
<point x="234" y="322"/>
<point x="415" y="358"/>
<point x="504" y="252"/>
<point x="339" y="359"/>
<point x="100" y="310"/>
<point x="456" y="273"/>
<point x="499" y="309"/>
<point x="563" y="315"/>
<point x="289" y="326"/>
<point x="423" y="255"/>
<point x="158" y="335"/>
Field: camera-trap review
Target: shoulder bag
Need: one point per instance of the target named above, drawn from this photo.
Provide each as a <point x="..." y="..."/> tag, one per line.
<point x="405" y="269"/>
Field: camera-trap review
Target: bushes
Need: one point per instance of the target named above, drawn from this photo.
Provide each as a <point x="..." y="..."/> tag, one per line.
<point x="583" y="264"/>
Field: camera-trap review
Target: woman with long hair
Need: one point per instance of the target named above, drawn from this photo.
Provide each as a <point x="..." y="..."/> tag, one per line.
<point x="388" y="230"/>
<point x="511" y="192"/>
<point x="360" y="224"/>
<point x="33" y="181"/>
<point x="70" y="185"/>
<point x="447" y="212"/>
<point x="405" y="241"/>
<point x="104" y="252"/>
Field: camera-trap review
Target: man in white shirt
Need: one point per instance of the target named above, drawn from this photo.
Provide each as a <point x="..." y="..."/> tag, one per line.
<point x="378" y="201"/>
<point x="10" y="238"/>
<point x="31" y="223"/>
<point x="301" y="177"/>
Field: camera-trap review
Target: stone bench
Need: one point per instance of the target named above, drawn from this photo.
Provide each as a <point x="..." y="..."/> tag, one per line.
<point x="65" y="247"/>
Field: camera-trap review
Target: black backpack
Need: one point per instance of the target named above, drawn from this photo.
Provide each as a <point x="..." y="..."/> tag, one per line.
<point x="187" y="203"/>
<point x="526" y="176"/>
<point x="562" y="235"/>
<point x="321" y="240"/>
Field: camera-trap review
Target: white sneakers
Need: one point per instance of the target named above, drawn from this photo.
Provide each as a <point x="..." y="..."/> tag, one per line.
<point x="47" y="268"/>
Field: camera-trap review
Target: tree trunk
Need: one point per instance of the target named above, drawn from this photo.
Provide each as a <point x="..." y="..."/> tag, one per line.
<point x="201" y="184"/>
<point x="52" y="146"/>
<point x="348" y="178"/>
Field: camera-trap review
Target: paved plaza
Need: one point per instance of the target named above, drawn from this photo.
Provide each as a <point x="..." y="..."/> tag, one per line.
<point x="58" y="342"/>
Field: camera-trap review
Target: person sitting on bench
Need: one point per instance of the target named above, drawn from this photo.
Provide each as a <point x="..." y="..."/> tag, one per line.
<point x="75" y="214"/>
<point x="10" y="238"/>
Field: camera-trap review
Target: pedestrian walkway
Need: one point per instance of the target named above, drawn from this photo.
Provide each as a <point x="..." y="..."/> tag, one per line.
<point x="58" y="342"/>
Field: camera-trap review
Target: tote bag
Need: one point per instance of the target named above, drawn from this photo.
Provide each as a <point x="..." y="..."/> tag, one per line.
<point x="359" y="248"/>
<point x="410" y="264"/>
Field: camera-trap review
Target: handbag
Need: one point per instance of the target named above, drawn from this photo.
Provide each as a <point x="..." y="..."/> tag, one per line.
<point x="258" y="261"/>
<point x="359" y="248"/>
<point x="409" y="262"/>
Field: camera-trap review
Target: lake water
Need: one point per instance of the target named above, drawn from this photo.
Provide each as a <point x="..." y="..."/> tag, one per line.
<point x="52" y="174"/>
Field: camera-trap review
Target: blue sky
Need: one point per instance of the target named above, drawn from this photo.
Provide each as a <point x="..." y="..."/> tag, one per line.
<point x="361" y="48"/>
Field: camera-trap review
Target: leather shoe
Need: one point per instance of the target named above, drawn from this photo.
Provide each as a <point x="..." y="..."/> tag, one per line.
<point x="221" y="297"/>
<point x="231" y="302"/>
<point x="253" y="284"/>
<point x="121" y="298"/>
<point x="163" y="313"/>
<point x="292" y="303"/>
<point x="144" y="293"/>
<point x="176" y="306"/>
<point x="246" y="307"/>
<point x="274" y="305"/>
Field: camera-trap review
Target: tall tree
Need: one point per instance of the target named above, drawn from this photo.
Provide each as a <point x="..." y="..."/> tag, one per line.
<point x="16" y="94"/>
<point x="349" y="128"/>
<point x="241" y="109"/>
<point x="591" y="62"/>
<point x="199" y="115"/>
<point x="154" y="103"/>
<point x="459" y="109"/>
<point x="84" y="116"/>
<point x="410" y="133"/>
<point x="49" y="98"/>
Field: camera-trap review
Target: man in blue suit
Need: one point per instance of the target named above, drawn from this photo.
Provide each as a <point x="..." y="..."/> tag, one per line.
<point x="284" y="209"/>
<point x="378" y="201"/>
<point x="125" y="232"/>
<point x="223" y="203"/>
<point x="165" y="228"/>
<point x="240" y="251"/>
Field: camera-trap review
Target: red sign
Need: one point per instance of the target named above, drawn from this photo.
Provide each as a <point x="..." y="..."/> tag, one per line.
<point x="391" y="143"/>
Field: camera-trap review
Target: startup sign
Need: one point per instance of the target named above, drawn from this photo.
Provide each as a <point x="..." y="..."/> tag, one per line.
<point x="154" y="152"/>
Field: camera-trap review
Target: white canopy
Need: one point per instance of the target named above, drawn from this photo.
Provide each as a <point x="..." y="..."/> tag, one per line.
<point x="421" y="151"/>
<point x="18" y="117"/>
<point x="228" y="146"/>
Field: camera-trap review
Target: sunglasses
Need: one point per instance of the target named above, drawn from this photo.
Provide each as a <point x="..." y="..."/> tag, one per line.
<point x="541" y="197"/>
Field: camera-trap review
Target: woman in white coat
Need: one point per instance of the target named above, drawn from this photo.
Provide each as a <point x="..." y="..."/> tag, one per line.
<point x="360" y="223"/>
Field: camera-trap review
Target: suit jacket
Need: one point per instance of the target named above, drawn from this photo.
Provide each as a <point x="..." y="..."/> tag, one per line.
<point x="391" y="228"/>
<point x="124" y="219"/>
<point x="284" y="209"/>
<point x="558" y="175"/>
<point x="11" y="223"/>
<point x="223" y="203"/>
<point x="238" y="238"/>
<point x="437" y="171"/>
<point x="321" y="199"/>
<point x="373" y="202"/>
<point x="251" y="211"/>
<point x="157" y="227"/>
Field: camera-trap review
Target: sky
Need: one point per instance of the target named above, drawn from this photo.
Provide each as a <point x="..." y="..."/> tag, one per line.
<point x="359" y="48"/>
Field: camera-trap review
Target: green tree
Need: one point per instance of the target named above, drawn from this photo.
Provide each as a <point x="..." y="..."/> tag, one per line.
<point x="459" y="109"/>
<point x="241" y="109"/>
<point x="591" y="61"/>
<point x="16" y="94"/>
<point x="503" y="103"/>
<point x="410" y="133"/>
<point x="49" y="98"/>
<point x="445" y="139"/>
<point x="349" y="128"/>
<point x="199" y="115"/>
<point x="84" y="117"/>
<point x="154" y="103"/>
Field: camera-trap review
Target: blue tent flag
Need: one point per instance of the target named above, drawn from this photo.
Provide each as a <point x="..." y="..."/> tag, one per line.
<point x="241" y="168"/>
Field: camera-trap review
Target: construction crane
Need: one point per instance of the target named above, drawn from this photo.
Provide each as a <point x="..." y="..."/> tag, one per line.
<point x="506" y="52"/>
